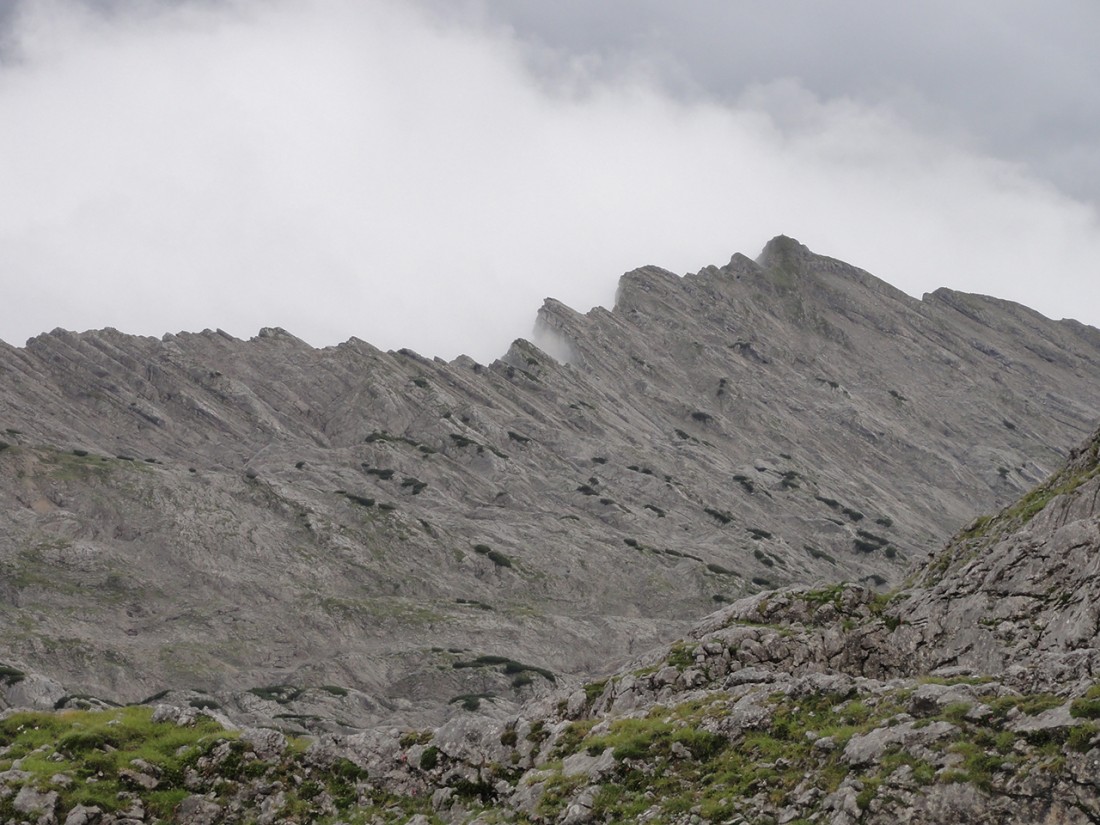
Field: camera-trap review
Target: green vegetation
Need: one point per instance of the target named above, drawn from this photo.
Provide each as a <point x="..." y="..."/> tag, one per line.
<point x="681" y="655"/>
<point x="818" y="554"/>
<point x="1087" y="706"/>
<point x="679" y="555"/>
<point x="510" y="666"/>
<point x="495" y="556"/>
<point x="470" y="701"/>
<point x="430" y="757"/>
<point x="414" y="484"/>
<point x="362" y="501"/>
<point x="718" y="515"/>
<point x="282" y="694"/>
<point x="101" y="745"/>
<point x="109" y="759"/>
<point x="10" y="676"/>
<point x="475" y="603"/>
<point x="985" y="530"/>
<point x="670" y="761"/>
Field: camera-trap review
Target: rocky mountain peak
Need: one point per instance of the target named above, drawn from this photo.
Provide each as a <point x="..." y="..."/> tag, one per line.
<point x="582" y="498"/>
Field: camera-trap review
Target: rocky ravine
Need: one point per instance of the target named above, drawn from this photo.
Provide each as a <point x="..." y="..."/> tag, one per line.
<point x="972" y="695"/>
<point x="332" y="538"/>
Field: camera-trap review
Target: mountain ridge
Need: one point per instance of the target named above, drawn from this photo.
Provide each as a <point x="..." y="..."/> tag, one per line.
<point x="712" y="435"/>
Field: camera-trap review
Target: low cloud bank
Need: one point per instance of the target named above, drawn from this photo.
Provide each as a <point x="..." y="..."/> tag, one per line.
<point x="369" y="168"/>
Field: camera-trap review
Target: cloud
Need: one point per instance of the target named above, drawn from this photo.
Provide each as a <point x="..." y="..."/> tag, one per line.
<point x="381" y="170"/>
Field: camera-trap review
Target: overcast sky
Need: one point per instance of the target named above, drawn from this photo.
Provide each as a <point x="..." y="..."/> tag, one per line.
<point x="424" y="173"/>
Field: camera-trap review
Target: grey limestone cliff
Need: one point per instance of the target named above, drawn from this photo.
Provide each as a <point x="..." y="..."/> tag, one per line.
<point x="340" y="536"/>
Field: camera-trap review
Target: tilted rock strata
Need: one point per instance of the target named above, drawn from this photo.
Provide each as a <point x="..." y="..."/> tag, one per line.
<point x="801" y="705"/>
<point x="346" y="534"/>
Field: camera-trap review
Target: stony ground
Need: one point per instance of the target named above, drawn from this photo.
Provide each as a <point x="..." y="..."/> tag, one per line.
<point x="807" y="705"/>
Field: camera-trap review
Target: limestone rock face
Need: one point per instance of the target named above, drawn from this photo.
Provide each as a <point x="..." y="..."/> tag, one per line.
<point x="334" y="537"/>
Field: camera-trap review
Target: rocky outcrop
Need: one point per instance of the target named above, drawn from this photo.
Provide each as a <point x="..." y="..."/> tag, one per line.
<point x="332" y="538"/>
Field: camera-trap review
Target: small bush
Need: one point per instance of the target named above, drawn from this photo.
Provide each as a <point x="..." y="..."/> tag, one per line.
<point x="818" y="554"/>
<point x="718" y="515"/>
<point x="10" y="675"/>
<point x="475" y="603"/>
<point x="362" y="501"/>
<point x="1085" y="708"/>
<point x="430" y="757"/>
<point x="854" y="515"/>
<point x="282" y="694"/>
<point x="495" y="556"/>
<point x="471" y="701"/>
<point x="414" y="484"/>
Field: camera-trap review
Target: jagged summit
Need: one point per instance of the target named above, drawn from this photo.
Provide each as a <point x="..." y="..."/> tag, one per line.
<point x="227" y="515"/>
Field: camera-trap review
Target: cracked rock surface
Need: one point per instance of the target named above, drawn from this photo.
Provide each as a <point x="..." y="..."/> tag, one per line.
<point x="329" y="539"/>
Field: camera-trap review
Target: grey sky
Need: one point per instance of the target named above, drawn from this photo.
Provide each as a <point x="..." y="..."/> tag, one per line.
<point x="1013" y="78"/>
<point x="424" y="174"/>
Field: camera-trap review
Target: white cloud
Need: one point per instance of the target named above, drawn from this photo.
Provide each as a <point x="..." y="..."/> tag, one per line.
<point x="362" y="168"/>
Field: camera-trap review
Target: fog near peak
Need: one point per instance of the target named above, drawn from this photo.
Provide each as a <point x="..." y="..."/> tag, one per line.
<point x="385" y="171"/>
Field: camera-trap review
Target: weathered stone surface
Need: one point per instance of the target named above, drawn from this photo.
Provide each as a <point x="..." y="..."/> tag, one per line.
<point x="863" y="749"/>
<point x="196" y="810"/>
<point x="83" y="815"/>
<point x="31" y="801"/>
<point x="762" y="423"/>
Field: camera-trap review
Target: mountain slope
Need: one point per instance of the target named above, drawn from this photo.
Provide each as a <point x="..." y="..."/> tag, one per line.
<point x="831" y="705"/>
<point x="348" y="534"/>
